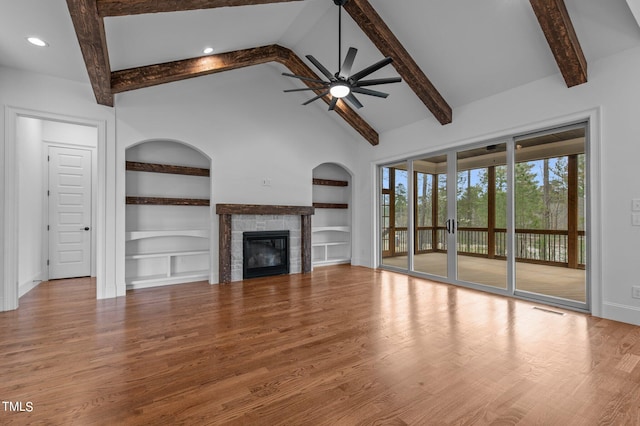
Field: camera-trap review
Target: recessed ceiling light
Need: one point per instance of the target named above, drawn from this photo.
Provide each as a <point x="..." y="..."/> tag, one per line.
<point x="37" y="41"/>
<point x="207" y="50"/>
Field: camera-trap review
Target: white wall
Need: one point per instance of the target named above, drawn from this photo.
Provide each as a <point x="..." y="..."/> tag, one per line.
<point x="30" y="220"/>
<point x="35" y="95"/>
<point x="248" y="127"/>
<point x="613" y="92"/>
<point x="69" y="134"/>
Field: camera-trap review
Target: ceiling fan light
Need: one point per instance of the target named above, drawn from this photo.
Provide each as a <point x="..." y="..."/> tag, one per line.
<point x="339" y="90"/>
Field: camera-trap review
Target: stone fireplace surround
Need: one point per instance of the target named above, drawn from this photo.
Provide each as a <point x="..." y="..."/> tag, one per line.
<point x="257" y="216"/>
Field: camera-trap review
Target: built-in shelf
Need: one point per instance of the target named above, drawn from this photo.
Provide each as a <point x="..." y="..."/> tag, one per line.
<point x="331" y="233"/>
<point x="167" y="254"/>
<point x="169" y="277"/>
<point x="331" y="245"/>
<point x="137" y="235"/>
<point x="136" y="166"/>
<point x="330" y="182"/>
<point x="331" y="228"/>
<point x="327" y="257"/>
<point x="159" y="201"/>
<point x="157" y="257"/>
<point x="330" y="206"/>
<point x="134" y="283"/>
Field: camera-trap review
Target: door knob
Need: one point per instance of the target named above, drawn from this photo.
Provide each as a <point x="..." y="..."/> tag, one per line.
<point x="86" y="228"/>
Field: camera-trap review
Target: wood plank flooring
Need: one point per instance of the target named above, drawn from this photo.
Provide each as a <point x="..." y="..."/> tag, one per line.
<point x="340" y="346"/>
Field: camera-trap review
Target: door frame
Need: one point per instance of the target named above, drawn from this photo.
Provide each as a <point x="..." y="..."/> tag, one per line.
<point x="8" y="157"/>
<point x="593" y="230"/>
<point x="46" y="254"/>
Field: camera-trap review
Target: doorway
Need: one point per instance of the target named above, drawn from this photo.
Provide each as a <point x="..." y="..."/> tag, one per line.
<point x="56" y="176"/>
<point x="507" y="216"/>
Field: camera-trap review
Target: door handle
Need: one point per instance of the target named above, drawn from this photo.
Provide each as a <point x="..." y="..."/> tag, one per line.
<point x="86" y="228"/>
<point x="451" y="226"/>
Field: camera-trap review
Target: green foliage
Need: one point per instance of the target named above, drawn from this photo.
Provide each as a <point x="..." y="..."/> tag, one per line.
<point x="541" y="191"/>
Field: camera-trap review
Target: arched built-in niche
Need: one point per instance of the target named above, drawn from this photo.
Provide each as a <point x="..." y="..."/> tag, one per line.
<point x="168" y="216"/>
<point x="331" y="223"/>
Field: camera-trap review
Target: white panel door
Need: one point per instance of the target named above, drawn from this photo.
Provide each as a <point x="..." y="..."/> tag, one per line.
<point x="69" y="212"/>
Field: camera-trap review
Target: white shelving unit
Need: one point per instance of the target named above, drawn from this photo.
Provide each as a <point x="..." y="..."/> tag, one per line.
<point x="331" y="245"/>
<point x="331" y="223"/>
<point x="138" y="235"/>
<point x="167" y="237"/>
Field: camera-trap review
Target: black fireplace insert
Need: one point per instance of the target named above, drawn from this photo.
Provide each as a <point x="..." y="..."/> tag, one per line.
<point x="265" y="253"/>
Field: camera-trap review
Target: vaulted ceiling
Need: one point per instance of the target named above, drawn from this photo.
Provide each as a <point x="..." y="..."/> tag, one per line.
<point x="448" y="53"/>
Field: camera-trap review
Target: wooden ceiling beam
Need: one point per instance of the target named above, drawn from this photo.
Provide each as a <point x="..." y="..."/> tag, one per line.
<point x="383" y="38"/>
<point x="152" y="75"/>
<point x="89" y="29"/>
<point x="136" y="7"/>
<point x="558" y="29"/>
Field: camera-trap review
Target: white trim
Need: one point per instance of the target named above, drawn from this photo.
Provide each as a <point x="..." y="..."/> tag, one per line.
<point x="618" y="312"/>
<point x="29" y="285"/>
<point x="9" y="261"/>
<point x="9" y="239"/>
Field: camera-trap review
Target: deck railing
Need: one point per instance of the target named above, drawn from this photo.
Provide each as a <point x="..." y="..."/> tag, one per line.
<point x="531" y="245"/>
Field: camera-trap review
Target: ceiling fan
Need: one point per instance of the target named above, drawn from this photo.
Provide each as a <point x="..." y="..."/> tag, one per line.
<point x="344" y="84"/>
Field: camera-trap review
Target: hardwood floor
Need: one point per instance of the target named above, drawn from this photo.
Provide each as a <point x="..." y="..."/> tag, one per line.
<point x="341" y="346"/>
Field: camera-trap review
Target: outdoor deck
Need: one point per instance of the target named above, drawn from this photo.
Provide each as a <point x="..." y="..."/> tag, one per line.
<point x="566" y="283"/>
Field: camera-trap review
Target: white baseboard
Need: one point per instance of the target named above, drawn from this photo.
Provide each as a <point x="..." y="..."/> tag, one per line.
<point x="622" y="313"/>
<point x="29" y="285"/>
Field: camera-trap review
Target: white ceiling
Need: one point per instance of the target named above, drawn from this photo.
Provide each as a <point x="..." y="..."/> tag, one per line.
<point x="469" y="49"/>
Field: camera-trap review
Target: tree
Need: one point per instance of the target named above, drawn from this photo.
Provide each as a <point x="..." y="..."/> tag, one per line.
<point x="528" y="197"/>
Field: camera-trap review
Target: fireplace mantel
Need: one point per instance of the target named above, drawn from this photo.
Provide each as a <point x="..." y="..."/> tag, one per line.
<point x="225" y="211"/>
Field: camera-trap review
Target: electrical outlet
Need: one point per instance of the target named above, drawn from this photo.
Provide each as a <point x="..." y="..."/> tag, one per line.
<point x="266" y="182"/>
<point x="635" y="219"/>
<point x="635" y="205"/>
<point x="635" y="292"/>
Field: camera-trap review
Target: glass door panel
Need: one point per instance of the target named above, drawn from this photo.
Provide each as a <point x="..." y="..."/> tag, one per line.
<point x="394" y="215"/>
<point x="549" y="195"/>
<point x="481" y="213"/>
<point x="430" y="215"/>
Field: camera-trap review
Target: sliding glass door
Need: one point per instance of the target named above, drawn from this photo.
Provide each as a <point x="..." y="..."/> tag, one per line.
<point x="481" y="215"/>
<point x="394" y="211"/>
<point x="550" y="216"/>
<point x="508" y="216"/>
<point x="430" y="206"/>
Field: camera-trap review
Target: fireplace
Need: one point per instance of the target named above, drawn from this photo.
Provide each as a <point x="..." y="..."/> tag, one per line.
<point x="265" y="253"/>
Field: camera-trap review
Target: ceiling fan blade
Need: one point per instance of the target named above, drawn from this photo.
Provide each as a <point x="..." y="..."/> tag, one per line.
<point x="317" y="97"/>
<point x="321" y="67"/>
<point x="354" y="101"/>
<point x="371" y="69"/>
<point x="333" y="103"/>
<point x="348" y="63"/>
<point x="369" y="92"/>
<point x="378" y="81"/>
<point x="303" y="89"/>
<point x="314" y="80"/>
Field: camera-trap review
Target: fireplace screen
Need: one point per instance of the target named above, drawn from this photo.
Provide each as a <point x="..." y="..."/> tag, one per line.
<point x="265" y="253"/>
